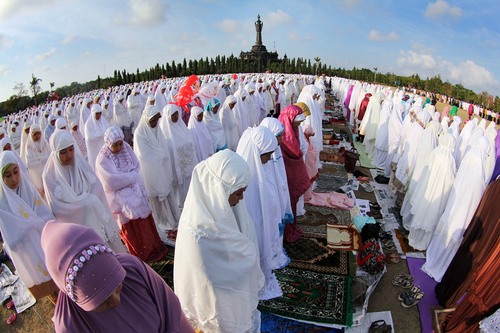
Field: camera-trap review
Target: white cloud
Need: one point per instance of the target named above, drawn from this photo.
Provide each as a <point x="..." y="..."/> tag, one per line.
<point x="441" y="8"/>
<point x="5" y="42"/>
<point x="9" y="8"/>
<point x="45" y="56"/>
<point x="3" y="69"/>
<point x="294" y="36"/>
<point x="277" y="18"/>
<point x="143" y="13"/>
<point x="377" y="36"/>
<point x="468" y="73"/>
<point x="229" y="26"/>
<point x="86" y="54"/>
<point x="70" y="38"/>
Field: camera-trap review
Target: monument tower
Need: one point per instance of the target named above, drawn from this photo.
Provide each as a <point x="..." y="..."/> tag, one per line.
<point x="259" y="50"/>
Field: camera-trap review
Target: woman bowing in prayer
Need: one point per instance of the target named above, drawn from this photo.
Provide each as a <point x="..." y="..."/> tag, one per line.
<point x="118" y="168"/>
<point x="202" y="139"/>
<point x="101" y="291"/>
<point x="75" y="194"/>
<point x="214" y="126"/>
<point x="298" y="180"/>
<point x="256" y="147"/>
<point x="182" y="149"/>
<point x="95" y="127"/>
<point x="152" y="150"/>
<point x="37" y="153"/>
<point x="23" y="215"/>
<point x="229" y="123"/>
<point x="217" y="274"/>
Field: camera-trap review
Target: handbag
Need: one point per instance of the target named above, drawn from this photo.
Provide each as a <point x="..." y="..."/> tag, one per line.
<point x="380" y="326"/>
<point x="371" y="259"/>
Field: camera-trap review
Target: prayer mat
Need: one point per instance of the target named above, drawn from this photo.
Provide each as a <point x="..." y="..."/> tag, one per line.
<point x="331" y="157"/>
<point x="313" y="218"/>
<point x="438" y="316"/>
<point x="165" y="267"/>
<point x="275" y="324"/>
<point x="343" y="216"/>
<point x="311" y="296"/>
<point x="363" y="158"/>
<point x="331" y="181"/>
<point x="342" y="237"/>
<point x="310" y="252"/>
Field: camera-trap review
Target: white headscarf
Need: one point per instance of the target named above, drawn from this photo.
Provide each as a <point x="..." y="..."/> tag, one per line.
<point x="24" y="140"/>
<point x="152" y="151"/>
<point x="214" y="126"/>
<point x="75" y="195"/>
<point x="315" y="119"/>
<point x="37" y="154"/>
<point x="202" y="139"/>
<point x="218" y="243"/>
<point x="23" y="215"/>
<point x="20" y="162"/>
<point x="94" y="134"/>
<point x="181" y="145"/>
<point x="241" y="111"/>
<point x="229" y="123"/>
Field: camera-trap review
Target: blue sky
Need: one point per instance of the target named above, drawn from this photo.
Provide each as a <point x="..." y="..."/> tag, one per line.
<point x="63" y="41"/>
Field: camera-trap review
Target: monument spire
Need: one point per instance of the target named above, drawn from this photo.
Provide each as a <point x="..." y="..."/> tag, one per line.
<point x="258" y="28"/>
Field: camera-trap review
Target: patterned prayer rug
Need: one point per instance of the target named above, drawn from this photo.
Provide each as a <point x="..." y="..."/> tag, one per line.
<point x="310" y="252"/>
<point x="343" y="216"/>
<point x="275" y="324"/>
<point x="332" y="180"/>
<point x="165" y="267"/>
<point x="311" y="296"/>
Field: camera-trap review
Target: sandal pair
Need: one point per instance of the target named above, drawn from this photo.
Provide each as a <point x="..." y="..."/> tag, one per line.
<point x="412" y="299"/>
<point x="403" y="280"/>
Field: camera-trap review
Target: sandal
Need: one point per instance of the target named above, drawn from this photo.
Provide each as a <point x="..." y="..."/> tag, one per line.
<point x="403" y="280"/>
<point x="10" y="305"/>
<point x="11" y="319"/>
<point x="414" y="290"/>
<point x="393" y="258"/>
<point x="411" y="301"/>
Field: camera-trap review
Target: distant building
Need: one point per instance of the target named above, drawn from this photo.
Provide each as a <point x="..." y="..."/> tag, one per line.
<point x="259" y="51"/>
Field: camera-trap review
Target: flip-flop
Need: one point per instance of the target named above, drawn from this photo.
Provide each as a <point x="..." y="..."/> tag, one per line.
<point x="10" y="305"/>
<point x="11" y="319"/>
<point x="411" y="301"/>
<point x="414" y="290"/>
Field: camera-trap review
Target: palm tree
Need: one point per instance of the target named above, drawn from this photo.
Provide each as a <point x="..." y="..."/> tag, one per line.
<point x="52" y="85"/>
<point x="375" y="68"/>
<point x="35" y="86"/>
<point x="317" y="59"/>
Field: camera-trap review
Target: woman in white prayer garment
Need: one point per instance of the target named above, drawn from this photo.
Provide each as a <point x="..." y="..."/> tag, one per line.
<point x="310" y="95"/>
<point x="464" y="198"/>
<point x="95" y="128"/>
<point x="84" y="114"/>
<point x="256" y="147"/>
<point x="123" y="119"/>
<point x="182" y="150"/>
<point x="75" y="194"/>
<point x="370" y="123"/>
<point x="107" y="113"/>
<point x="214" y="126"/>
<point x="229" y="123"/>
<point x="217" y="274"/>
<point x="431" y="193"/>
<point x="380" y="157"/>
<point x="253" y="109"/>
<point x="37" y="153"/>
<point x="241" y="111"/>
<point x="23" y="215"/>
<point x="134" y="106"/>
<point x="201" y="136"/>
<point x="151" y="148"/>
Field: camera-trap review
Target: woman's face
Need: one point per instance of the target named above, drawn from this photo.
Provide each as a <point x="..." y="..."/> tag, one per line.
<point x="279" y="138"/>
<point x="175" y="116"/>
<point x="244" y="98"/>
<point x="2" y="136"/>
<point x="7" y="147"/>
<point x="154" y="121"/>
<point x="36" y="136"/>
<point x="75" y="128"/>
<point x="231" y="106"/>
<point x="152" y="102"/>
<point x="67" y="155"/>
<point x="98" y="115"/>
<point x="12" y="176"/>
<point x="236" y="196"/>
<point x="111" y="302"/>
<point x="216" y="109"/>
<point x="296" y="124"/>
<point x="27" y="131"/>
<point x="116" y="147"/>
<point x="200" y="117"/>
<point x="53" y="122"/>
<point x="264" y="158"/>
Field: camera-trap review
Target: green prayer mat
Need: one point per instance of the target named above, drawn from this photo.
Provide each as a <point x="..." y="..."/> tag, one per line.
<point x="312" y="296"/>
<point x="165" y="267"/>
<point x="363" y="158"/>
<point x="310" y="252"/>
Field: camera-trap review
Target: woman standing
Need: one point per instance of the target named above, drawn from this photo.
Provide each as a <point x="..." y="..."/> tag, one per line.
<point x="217" y="274"/>
<point x="95" y="127"/>
<point x="37" y="153"/>
<point x="118" y="168"/>
<point x="152" y="151"/>
<point x="75" y="194"/>
<point x="202" y="139"/>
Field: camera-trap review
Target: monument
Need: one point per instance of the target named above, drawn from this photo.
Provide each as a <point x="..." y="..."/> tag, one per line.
<point x="259" y="50"/>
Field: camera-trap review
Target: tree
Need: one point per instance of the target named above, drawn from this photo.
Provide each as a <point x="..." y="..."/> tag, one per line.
<point x="35" y="86"/>
<point x="375" y="68"/>
<point x="20" y="89"/>
<point x="51" y="85"/>
<point x="317" y="59"/>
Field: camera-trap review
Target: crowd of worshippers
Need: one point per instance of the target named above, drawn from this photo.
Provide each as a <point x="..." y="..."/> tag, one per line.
<point x="437" y="167"/>
<point x="95" y="186"/>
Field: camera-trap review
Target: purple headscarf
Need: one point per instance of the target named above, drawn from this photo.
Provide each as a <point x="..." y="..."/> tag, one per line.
<point x="147" y="304"/>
